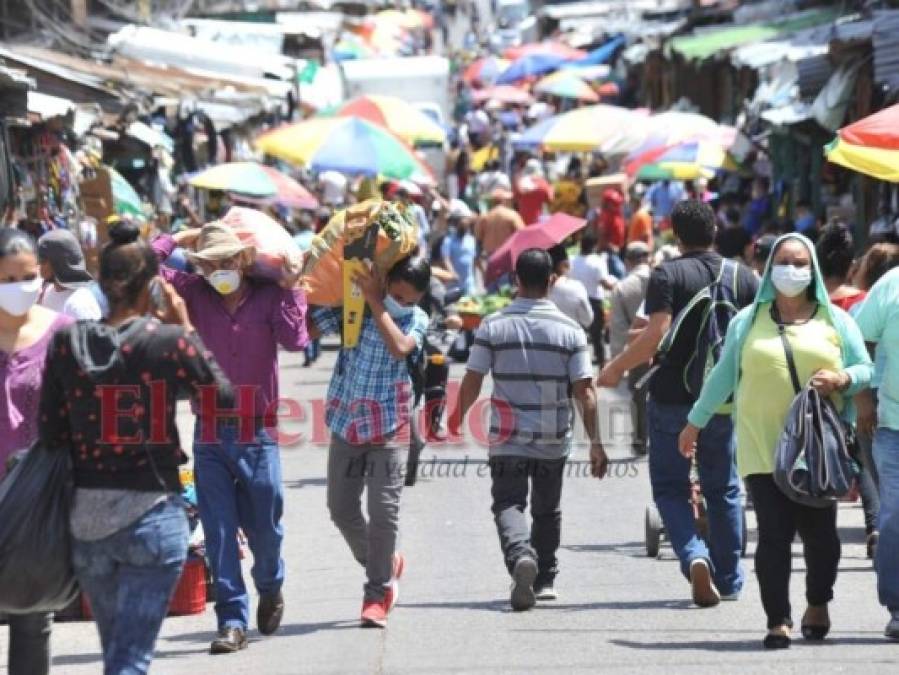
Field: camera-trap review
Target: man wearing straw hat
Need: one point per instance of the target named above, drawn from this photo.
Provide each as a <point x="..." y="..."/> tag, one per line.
<point x="242" y="321"/>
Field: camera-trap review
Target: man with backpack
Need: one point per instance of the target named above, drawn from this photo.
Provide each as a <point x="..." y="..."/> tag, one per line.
<point x="689" y="302"/>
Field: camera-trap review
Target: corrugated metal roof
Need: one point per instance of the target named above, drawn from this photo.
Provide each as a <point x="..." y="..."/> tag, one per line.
<point x="813" y="74"/>
<point x="885" y="43"/>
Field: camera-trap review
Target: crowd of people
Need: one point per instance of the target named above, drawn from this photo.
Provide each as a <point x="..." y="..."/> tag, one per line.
<point x="179" y="314"/>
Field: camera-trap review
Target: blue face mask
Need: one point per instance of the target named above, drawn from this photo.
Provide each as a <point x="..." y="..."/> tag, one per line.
<point x="395" y="309"/>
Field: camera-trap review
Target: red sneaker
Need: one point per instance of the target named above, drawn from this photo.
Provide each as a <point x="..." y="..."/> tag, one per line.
<point x="374" y="613"/>
<point x="392" y="594"/>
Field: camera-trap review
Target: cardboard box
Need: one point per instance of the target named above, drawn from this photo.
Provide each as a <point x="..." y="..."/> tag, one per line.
<point x="594" y="187"/>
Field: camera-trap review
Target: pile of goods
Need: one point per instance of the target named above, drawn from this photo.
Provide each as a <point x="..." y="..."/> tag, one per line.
<point x="473" y="309"/>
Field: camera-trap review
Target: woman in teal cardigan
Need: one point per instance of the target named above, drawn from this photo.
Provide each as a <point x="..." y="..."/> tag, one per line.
<point x="830" y="354"/>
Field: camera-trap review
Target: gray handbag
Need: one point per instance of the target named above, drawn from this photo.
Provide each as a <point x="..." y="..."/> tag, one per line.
<point x="812" y="463"/>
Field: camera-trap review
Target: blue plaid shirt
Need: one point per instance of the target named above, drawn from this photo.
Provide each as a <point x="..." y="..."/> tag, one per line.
<point x="370" y="394"/>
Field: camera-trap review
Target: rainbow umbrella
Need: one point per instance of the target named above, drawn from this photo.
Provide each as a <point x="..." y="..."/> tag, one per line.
<point x="565" y="84"/>
<point x="402" y="118"/>
<point x="869" y="146"/>
<point x="485" y="70"/>
<point x="346" y="144"/>
<point x="580" y="130"/>
<point x="256" y="181"/>
<point x="699" y="152"/>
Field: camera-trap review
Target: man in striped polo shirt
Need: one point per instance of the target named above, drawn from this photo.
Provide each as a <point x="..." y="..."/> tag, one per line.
<point x="539" y="360"/>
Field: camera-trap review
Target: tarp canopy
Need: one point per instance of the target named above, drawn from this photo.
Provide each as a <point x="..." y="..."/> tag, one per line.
<point x="703" y="44"/>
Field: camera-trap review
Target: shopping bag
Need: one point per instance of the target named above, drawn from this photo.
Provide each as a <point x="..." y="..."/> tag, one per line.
<point x="35" y="551"/>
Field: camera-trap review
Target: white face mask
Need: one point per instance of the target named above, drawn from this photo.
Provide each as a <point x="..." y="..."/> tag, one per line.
<point x="395" y="309"/>
<point x="790" y="281"/>
<point x="224" y="281"/>
<point x="17" y="297"/>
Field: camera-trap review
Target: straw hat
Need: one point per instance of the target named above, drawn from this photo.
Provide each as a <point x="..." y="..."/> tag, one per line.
<point x="216" y="242"/>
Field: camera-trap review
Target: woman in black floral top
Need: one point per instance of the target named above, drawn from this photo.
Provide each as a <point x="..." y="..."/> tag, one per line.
<point x="109" y="398"/>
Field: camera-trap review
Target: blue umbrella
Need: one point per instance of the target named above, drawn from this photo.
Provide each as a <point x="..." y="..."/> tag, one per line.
<point x="533" y="137"/>
<point x="603" y="53"/>
<point x="529" y="65"/>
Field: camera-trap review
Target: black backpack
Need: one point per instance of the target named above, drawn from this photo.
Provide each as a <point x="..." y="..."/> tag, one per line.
<point x="715" y="305"/>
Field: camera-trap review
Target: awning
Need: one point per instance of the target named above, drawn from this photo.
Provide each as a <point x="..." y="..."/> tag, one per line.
<point x="703" y="44"/>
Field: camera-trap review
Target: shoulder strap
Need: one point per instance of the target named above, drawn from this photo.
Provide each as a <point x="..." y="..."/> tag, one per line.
<point x="788" y="349"/>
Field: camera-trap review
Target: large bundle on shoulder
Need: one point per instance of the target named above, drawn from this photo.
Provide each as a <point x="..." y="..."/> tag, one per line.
<point x="277" y="254"/>
<point x="323" y="267"/>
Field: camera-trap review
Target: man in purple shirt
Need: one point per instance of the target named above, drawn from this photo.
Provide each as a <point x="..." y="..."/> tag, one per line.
<point x="236" y="456"/>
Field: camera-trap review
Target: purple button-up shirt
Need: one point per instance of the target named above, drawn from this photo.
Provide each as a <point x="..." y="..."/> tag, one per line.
<point x="244" y="344"/>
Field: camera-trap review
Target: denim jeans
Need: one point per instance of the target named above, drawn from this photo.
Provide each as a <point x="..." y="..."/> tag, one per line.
<point x="312" y="350"/>
<point x="239" y="487"/>
<point x="129" y="578"/>
<point x="886" y="562"/>
<point x="514" y="480"/>
<point x="29" y="643"/>
<point x="669" y="474"/>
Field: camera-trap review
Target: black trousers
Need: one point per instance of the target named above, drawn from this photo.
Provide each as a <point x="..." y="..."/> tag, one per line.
<point x="779" y="519"/>
<point x="597" y="328"/>
<point x="513" y="479"/>
<point x="29" y="643"/>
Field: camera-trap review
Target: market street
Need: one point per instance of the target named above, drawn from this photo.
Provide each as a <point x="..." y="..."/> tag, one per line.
<point x="617" y="610"/>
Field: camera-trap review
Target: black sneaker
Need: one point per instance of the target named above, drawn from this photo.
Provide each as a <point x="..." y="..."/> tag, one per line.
<point x="546" y="591"/>
<point x="270" y="612"/>
<point x="523" y="575"/>
<point x="229" y="640"/>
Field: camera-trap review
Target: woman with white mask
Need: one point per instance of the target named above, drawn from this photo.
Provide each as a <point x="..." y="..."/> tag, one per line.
<point x="830" y="354"/>
<point x="25" y="332"/>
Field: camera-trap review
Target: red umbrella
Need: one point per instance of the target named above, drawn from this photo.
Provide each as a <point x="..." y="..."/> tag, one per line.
<point x="544" y="235"/>
<point x="549" y="47"/>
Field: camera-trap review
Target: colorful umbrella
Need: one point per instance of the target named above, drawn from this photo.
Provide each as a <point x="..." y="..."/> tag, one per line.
<point x="673" y="171"/>
<point x="580" y="130"/>
<point x="258" y="182"/>
<point x="550" y="47"/>
<point x="699" y="152"/>
<point x="402" y="118"/>
<point x="346" y="144"/>
<point x="555" y="230"/>
<point x="504" y="94"/>
<point x="485" y="70"/>
<point x="599" y="72"/>
<point x="566" y="84"/>
<point x="869" y="146"/>
<point x="669" y="128"/>
<point x="529" y="66"/>
<point x="125" y="199"/>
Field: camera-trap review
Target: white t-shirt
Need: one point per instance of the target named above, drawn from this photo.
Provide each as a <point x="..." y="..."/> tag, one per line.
<point x="80" y="303"/>
<point x="590" y="270"/>
<point x="334" y="186"/>
<point x="571" y="299"/>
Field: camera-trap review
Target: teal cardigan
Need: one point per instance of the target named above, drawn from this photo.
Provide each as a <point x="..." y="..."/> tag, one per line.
<point x="724" y="378"/>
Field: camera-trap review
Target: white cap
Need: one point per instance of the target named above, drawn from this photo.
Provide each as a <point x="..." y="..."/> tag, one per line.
<point x="459" y="209"/>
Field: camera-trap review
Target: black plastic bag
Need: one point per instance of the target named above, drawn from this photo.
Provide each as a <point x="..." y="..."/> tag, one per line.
<point x="35" y="548"/>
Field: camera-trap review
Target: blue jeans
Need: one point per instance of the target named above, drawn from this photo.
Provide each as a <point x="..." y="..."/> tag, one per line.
<point x="239" y="487"/>
<point x="886" y="562"/>
<point x="129" y="578"/>
<point x="313" y="350"/>
<point x="669" y="474"/>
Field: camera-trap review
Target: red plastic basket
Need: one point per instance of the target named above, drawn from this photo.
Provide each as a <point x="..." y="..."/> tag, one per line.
<point x="190" y="593"/>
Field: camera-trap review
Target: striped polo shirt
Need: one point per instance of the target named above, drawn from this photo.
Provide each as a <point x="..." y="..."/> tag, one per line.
<point x="534" y="353"/>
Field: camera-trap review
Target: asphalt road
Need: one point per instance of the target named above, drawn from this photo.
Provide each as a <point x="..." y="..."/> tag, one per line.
<point x="618" y="610"/>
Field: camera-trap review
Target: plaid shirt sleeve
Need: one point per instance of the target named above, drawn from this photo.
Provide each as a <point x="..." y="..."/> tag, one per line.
<point x="419" y="328"/>
<point x="327" y="319"/>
